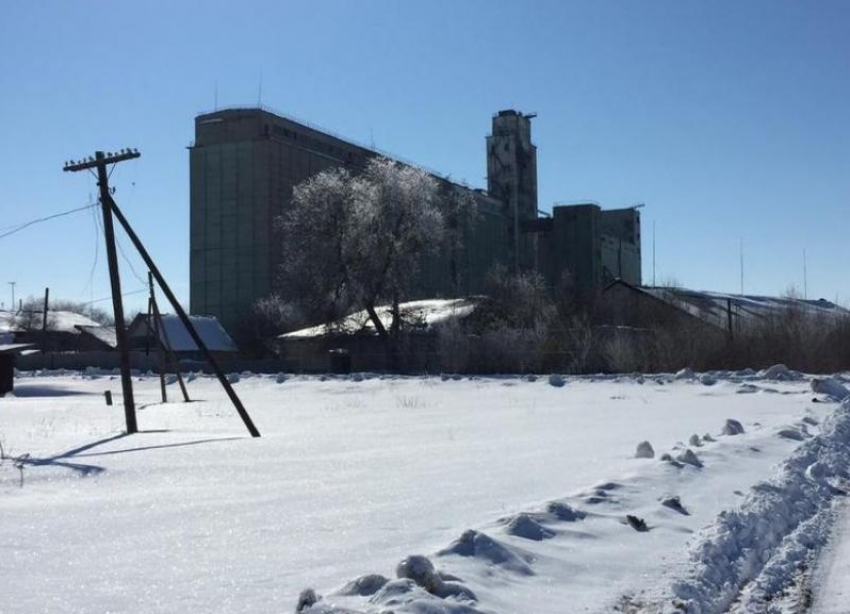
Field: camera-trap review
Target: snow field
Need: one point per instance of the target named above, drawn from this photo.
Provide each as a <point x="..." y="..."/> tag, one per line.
<point x="354" y="475"/>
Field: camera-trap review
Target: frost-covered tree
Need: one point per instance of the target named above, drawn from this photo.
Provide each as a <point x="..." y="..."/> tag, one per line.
<point x="359" y="239"/>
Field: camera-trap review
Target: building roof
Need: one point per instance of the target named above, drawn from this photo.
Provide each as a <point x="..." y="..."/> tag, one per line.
<point x="420" y="314"/>
<point x="57" y="321"/>
<point x="15" y="348"/>
<point x="104" y="334"/>
<point x="208" y="327"/>
<point x="714" y="307"/>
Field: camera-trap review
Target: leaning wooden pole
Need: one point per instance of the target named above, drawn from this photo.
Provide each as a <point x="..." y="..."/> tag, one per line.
<point x="160" y="357"/>
<point x="249" y="424"/>
<point x="163" y="341"/>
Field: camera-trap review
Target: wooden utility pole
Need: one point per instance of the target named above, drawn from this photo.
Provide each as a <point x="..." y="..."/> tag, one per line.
<point x="163" y="344"/>
<point x="100" y="161"/>
<point x="44" y="322"/>
<point x="153" y="333"/>
<point x="44" y="315"/>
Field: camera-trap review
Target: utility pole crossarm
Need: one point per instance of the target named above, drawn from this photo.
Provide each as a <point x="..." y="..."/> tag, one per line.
<point x="74" y="166"/>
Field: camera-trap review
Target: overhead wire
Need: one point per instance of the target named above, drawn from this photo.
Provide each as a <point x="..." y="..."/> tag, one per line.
<point x="130" y="264"/>
<point x="14" y="229"/>
<point x="20" y="227"/>
<point x="97" y="231"/>
<point x="109" y="298"/>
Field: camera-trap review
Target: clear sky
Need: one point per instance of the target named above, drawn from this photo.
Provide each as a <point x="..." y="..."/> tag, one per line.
<point x="729" y="119"/>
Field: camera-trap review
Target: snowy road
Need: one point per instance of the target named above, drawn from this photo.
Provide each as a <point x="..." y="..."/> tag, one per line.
<point x="352" y="476"/>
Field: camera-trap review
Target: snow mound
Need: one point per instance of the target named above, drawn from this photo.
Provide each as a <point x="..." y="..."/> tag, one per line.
<point x="685" y="374"/>
<point x="306" y="599"/>
<point x="780" y="373"/>
<point x="364" y="586"/>
<point x="562" y="511"/>
<point x="675" y="504"/>
<point x="790" y="433"/>
<point x="419" y="569"/>
<point x="708" y="380"/>
<point x="406" y="596"/>
<point x="766" y="534"/>
<point x="638" y="524"/>
<point x="689" y="457"/>
<point x="644" y="450"/>
<point x="482" y="546"/>
<point x="733" y="427"/>
<point x="668" y="458"/>
<point x="695" y="441"/>
<point x="556" y="380"/>
<point x="525" y="526"/>
<point x="830" y="387"/>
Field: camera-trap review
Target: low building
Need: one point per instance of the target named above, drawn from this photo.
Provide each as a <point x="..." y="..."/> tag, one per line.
<point x="174" y="336"/>
<point x="314" y="349"/>
<point x="631" y="305"/>
<point x="66" y="331"/>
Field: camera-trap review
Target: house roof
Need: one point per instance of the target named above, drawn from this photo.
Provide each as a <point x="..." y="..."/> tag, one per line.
<point x="420" y="314"/>
<point x="57" y="321"/>
<point x="15" y="348"/>
<point x="104" y="334"/>
<point x="208" y="327"/>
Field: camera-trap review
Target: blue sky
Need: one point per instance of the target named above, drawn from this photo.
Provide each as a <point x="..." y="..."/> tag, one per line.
<point x="730" y="120"/>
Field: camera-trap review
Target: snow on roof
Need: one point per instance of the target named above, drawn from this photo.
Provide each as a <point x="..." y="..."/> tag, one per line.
<point x="58" y="321"/>
<point x="15" y="348"/>
<point x="713" y="306"/>
<point x="211" y="332"/>
<point x="104" y="334"/>
<point x="420" y="314"/>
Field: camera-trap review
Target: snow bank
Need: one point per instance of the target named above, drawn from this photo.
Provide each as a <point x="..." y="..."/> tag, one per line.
<point x="525" y="526"/>
<point x="777" y="521"/>
<point x="830" y="387"/>
<point x="556" y="380"/>
<point x="481" y="546"/>
<point x="780" y="373"/>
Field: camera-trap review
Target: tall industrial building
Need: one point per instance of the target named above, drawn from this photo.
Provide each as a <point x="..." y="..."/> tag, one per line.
<point x="244" y="164"/>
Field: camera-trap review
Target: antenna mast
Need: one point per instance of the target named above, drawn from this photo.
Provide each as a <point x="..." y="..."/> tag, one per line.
<point x="805" y="277"/>
<point x="653" y="253"/>
<point x="741" y="247"/>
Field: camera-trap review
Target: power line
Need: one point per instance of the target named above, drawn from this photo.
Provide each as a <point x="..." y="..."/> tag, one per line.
<point x="43" y="219"/>
<point x="127" y="260"/>
<point x="107" y="298"/>
<point x="97" y="230"/>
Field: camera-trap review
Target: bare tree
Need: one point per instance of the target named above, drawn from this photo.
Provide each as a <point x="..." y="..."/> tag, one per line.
<point x="359" y="240"/>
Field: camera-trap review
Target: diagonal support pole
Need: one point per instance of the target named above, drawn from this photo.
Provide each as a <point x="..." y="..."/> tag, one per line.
<point x="249" y="424"/>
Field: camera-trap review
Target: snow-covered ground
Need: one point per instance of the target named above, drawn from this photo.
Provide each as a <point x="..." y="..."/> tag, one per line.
<point x="517" y="490"/>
